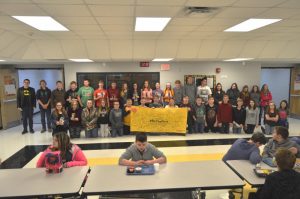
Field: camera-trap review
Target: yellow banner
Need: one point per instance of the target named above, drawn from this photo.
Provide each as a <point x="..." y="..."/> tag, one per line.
<point x="158" y="120"/>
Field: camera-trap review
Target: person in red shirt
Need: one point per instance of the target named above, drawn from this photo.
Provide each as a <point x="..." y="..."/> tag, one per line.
<point x="113" y="94"/>
<point x="225" y="115"/>
<point x="265" y="99"/>
<point x="100" y="94"/>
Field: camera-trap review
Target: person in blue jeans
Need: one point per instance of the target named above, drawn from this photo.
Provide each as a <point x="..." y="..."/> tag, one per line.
<point x="43" y="96"/>
<point x="116" y="120"/>
<point x="199" y="115"/>
<point x="89" y="118"/>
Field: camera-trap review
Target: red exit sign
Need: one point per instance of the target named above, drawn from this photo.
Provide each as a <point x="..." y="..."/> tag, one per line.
<point x="144" y="64"/>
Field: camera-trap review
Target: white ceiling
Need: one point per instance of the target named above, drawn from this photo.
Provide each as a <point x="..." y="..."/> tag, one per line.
<point x="103" y="30"/>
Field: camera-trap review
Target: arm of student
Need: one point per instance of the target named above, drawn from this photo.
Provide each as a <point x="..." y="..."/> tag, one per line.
<point x="255" y="157"/>
<point x="267" y="149"/>
<point x="160" y="157"/>
<point x="125" y="159"/>
<point x="41" y="161"/>
<point x="79" y="160"/>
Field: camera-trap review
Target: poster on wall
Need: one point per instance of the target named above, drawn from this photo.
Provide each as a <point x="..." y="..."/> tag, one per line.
<point x="297" y="83"/>
<point x="211" y="80"/>
<point x="9" y="86"/>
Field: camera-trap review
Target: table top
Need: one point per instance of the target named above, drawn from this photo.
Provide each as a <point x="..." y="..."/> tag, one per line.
<point x="245" y="170"/>
<point x="36" y="182"/>
<point x="171" y="176"/>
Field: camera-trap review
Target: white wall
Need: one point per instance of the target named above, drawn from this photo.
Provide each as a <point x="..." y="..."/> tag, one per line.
<point x="230" y="72"/>
<point x="278" y="80"/>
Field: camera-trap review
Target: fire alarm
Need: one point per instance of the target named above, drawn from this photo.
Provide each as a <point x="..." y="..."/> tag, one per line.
<point x="218" y="70"/>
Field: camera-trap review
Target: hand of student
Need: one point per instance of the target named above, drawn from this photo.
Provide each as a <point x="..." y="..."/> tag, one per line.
<point x="140" y="162"/>
<point x="256" y="126"/>
<point x="220" y="124"/>
<point x="57" y="122"/>
<point x="294" y="150"/>
<point x="148" y="162"/>
<point x="20" y="109"/>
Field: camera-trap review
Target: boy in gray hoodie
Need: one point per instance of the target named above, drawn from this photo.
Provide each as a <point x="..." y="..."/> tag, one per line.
<point x="280" y="140"/>
<point x="116" y="120"/>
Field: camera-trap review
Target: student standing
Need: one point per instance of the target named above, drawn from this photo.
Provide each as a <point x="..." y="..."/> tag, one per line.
<point x="225" y="115"/>
<point x="113" y="94"/>
<point x="271" y="118"/>
<point x="158" y="92"/>
<point x="199" y="115"/>
<point x="233" y="93"/>
<point x="186" y="104"/>
<point x="218" y="94"/>
<point x="239" y="117"/>
<point x="101" y="94"/>
<point x="190" y="89"/>
<point x="178" y="92"/>
<point x="103" y="119"/>
<point x="26" y="102"/>
<point x="255" y="95"/>
<point x="245" y="95"/>
<point x="265" y="99"/>
<point x="116" y="120"/>
<point x="89" y="118"/>
<point x="127" y="117"/>
<point x="283" y="112"/>
<point x="211" y="122"/>
<point x="70" y="153"/>
<point x="168" y="94"/>
<point x="43" y="96"/>
<point x="243" y="149"/>
<point x="252" y="117"/>
<point x="146" y="92"/>
<point x="85" y="93"/>
<point x="74" y="114"/>
<point x="135" y="95"/>
<point x="124" y="94"/>
<point x="58" y="95"/>
<point x="71" y="94"/>
<point x="59" y="119"/>
<point x="203" y="90"/>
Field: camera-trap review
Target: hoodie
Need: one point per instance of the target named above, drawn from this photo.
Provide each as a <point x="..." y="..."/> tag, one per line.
<point x="272" y="146"/>
<point x="281" y="185"/>
<point x="243" y="150"/>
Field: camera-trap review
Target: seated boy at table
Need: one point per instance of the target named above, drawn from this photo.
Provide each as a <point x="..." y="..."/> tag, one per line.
<point x="70" y="153"/>
<point x="284" y="183"/>
<point x="280" y="140"/>
<point x="141" y="153"/>
<point x="243" y="149"/>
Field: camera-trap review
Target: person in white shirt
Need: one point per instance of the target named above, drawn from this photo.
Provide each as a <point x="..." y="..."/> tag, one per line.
<point x="203" y="90"/>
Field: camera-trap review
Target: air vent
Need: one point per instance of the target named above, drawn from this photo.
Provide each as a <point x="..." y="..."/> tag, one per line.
<point x="194" y="10"/>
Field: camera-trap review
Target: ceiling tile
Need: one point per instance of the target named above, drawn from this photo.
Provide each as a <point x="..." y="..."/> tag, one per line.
<point x="187" y="21"/>
<point x="113" y="11"/>
<point x="253" y="49"/>
<point x="231" y="49"/>
<point x="50" y="49"/>
<point x="75" y="27"/>
<point x="258" y="3"/>
<point x="272" y="49"/>
<point x="160" y="2"/>
<point x="157" y="11"/>
<point x="210" y="3"/>
<point x="116" y="20"/>
<point x="98" y="49"/>
<point x="66" y="10"/>
<point x="166" y="48"/>
<point x="290" y="4"/>
<point x="117" y="28"/>
<point x="171" y="28"/>
<point x="62" y="2"/>
<point x="76" y="20"/>
<point x="144" y="49"/>
<point x="74" y="49"/>
<point x="278" y="13"/>
<point x="209" y="49"/>
<point x="111" y="2"/>
<point x="188" y="49"/>
<point x="22" y="10"/>
<point x="117" y="49"/>
<point x="240" y="13"/>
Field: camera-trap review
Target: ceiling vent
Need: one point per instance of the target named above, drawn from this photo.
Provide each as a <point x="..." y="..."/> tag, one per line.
<point x="197" y="10"/>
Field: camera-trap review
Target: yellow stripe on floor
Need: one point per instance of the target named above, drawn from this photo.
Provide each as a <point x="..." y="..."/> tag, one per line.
<point x="171" y="158"/>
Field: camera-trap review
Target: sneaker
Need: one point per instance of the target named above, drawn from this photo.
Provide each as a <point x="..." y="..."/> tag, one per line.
<point x="24" y="132"/>
<point x="50" y="130"/>
<point x="31" y="131"/>
<point x="43" y="130"/>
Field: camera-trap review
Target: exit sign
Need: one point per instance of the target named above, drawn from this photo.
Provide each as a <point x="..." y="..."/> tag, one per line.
<point x="165" y="67"/>
<point x="144" y="64"/>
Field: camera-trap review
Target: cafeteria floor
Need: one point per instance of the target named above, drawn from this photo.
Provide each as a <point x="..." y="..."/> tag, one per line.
<point x="22" y="151"/>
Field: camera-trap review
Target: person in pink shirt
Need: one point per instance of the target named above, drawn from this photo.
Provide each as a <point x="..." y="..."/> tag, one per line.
<point x="71" y="154"/>
<point x="146" y="93"/>
<point x="265" y="99"/>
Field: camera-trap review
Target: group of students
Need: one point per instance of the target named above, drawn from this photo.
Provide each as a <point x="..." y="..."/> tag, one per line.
<point x="282" y="184"/>
<point x="109" y="110"/>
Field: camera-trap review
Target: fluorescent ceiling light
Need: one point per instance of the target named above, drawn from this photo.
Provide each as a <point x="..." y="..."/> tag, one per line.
<point x="151" y="23"/>
<point x="251" y="24"/>
<point x="162" y="59"/>
<point x="239" y="59"/>
<point x="81" y="60"/>
<point x="1" y="60"/>
<point x="42" y="23"/>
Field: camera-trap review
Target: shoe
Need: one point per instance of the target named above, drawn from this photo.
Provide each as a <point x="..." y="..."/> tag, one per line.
<point x="24" y="132"/>
<point x="31" y="131"/>
<point x="50" y="130"/>
<point x="43" y="130"/>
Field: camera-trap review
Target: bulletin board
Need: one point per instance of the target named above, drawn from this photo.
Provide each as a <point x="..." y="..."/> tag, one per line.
<point x="211" y="80"/>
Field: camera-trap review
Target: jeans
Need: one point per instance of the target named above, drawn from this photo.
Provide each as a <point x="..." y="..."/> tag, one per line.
<point x="116" y="131"/>
<point x="45" y="113"/>
<point x="104" y="131"/>
<point x="93" y="133"/>
<point x="199" y="127"/>
<point x="236" y="130"/>
<point x="250" y="128"/>
<point x="283" y="123"/>
<point x="75" y="131"/>
<point x="224" y="128"/>
<point x="269" y="129"/>
<point x="262" y="112"/>
<point x="210" y="127"/>
<point x="126" y="130"/>
<point x="27" y="114"/>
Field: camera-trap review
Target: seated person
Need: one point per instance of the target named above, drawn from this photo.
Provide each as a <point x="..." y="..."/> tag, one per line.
<point x="71" y="154"/>
<point x="243" y="149"/>
<point x="280" y="140"/>
<point x="141" y="153"/>
<point x="284" y="183"/>
<point x="296" y="139"/>
<point x="156" y="103"/>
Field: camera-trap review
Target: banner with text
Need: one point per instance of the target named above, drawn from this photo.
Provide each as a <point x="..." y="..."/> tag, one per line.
<point x="158" y="120"/>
